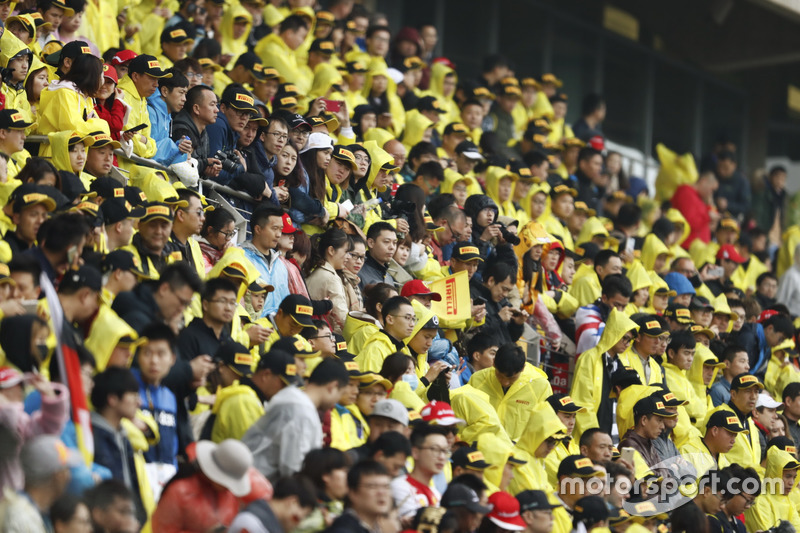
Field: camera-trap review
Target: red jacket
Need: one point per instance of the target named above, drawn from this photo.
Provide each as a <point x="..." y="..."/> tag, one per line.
<point x="192" y="504"/>
<point x="115" y="117"/>
<point x="695" y="211"/>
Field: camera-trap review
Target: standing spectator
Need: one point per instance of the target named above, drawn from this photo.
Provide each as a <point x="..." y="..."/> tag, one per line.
<point x="381" y="245"/>
<point x="324" y="283"/>
<point x="267" y="224"/>
<point x="696" y="203"/>
<point x="168" y="100"/>
<point x="593" y="112"/>
<point x="141" y="83"/>
<point x="733" y="194"/>
<point x="769" y="203"/>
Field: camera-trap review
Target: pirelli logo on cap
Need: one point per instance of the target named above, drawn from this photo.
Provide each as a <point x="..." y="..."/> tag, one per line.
<point x="291" y="370"/>
<point x="413" y="415"/>
<point x="4" y="270"/>
<point x="289" y="88"/>
<point x="791" y="449"/>
<point x="525" y="172"/>
<point x="347" y="153"/>
<point x="174" y="34"/>
<point x="143" y="196"/>
<point x="460" y="128"/>
<point x="326" y="45"/>
<point x="468" y="250"/>
<point x="86" y="50"/>
<point x="683" y="313"/>
<point x="645" y="507"/>
<point x="584" y="463"/>
<point x="17" y="117"/>
<point x="33" y="197"/>
<point x="119" y="192"/>
<point x="298" y="345"/>
<point x="653" y="324"/>
<point x="258" y="67"/>
<point x="88" y="206"/>
<point x="288" y="100"/>
<point x="659" y="405"/>
<point x="154" y="64"/>
<point x="748" y="379"/>
<point x="341" y="346"/>
<point x="303" y="310"/>
<point x="474" y="457"/>
<point x="566" y="400"/>
<point x="269" y="71"/>
<point x="102" y="137"/>
<point x="243" y="359"/>
<point x="244" y="98"/>
<point x="158" y="210"/>
<point x="351" y="366"/>
<point x="732" y="420"/>
<point x="669" y="397"/>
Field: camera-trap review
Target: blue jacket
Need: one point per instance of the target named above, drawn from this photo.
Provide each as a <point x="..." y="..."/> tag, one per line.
<point x="222" y="137"/>
<point x="167" y="151"/>
<point x="267" y="167"/>
<point x="304" y="207"/>
<point x="159" y="402"/>
<point x="275" y="274"/>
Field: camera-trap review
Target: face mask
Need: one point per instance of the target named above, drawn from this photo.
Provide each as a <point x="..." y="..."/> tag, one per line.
<point x="41" y="350"/>
<point x="695" y="281"/>
<point x="412" y="380"/>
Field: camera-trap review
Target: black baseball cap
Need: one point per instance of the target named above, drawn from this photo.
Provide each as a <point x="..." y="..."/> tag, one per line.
<point x="726" y="419"/>
<point x="624" y="377"/>
<point x="294" y="120"/>
<point x="564" y="403"/>
<point x="679" y="313"/>
<point x="323" y="46"/>
<point x="651" y="406"/>
<point x="469" y="457"/>
<point x="236" y="356"/>
<point x="115" y="210"/>
<point x="85" y="276"/>
<point x="176" y="34"/>
<point x="745" y="381"/>
<point x="562" y="188"/>
<point x="651" y="326"/>
<point x="591" y="509"/>
<point x="356" y="67"/>
<point x="296" y="346"/>
<point x="260" y="287"/>
<point x="577" y="466"/>
<point x="240" y="98"/>
<point x="341" y="348"/>
<point x="108" y="188"/>
<point x="458" y="495"/>
<point x="700" y="303"/>
<point x="669" y="398"/>
<point x="469" y="150"/>
<point x="456" y="128"/>
<point x="121" y="260"/>
<point x="343" y="154"/>
<point x="30" y="194"/>
<point x="534" y="500"/>
<point x="147" y="64"/>
<point x="155" y="210"/>
<point x="430" y="103"/>
<point x="587" y="250"/>
<point x="299" y="308"/>
<point x="251" y="62"/>
<point x="281" y="364"/>
<point x="135" y="196"/>
<point x="11" y="119"/>
<point x="71" y="50"/>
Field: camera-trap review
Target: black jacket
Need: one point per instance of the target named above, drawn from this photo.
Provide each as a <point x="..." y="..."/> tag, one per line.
<point x="182" y="125"/>
<point x="504" y="332"/>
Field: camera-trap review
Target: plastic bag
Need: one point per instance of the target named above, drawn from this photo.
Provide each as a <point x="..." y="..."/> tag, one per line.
<point x="187" y="172"/>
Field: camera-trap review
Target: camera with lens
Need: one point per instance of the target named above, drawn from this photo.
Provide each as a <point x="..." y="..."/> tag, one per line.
<point x="509" y="237"/>
<point x="229" y="160"/>
<point x="784" y="526"/>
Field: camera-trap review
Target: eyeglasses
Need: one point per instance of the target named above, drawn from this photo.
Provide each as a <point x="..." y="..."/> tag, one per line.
<point x="438" y="451"/>
<point x="242" y="114"/>
<point x="627" y="339"/>
<point x="304" y="133"/>
<point x="227" y="234"/>
<point x="279" y="136"/>
<point x="328" y="336"/>
<point x="408" y="318"/>
<point x="199" y="212"/>
<point x="748" y="501"/>
<point x="362" y="157"/>
<point x="184" y="303"/>
<point x="223" y="301"/>
<point x="456" y="235"/>
<point x="357" y="257"/>
<point x="376" y="486"/>
<point x="190" y="75"/>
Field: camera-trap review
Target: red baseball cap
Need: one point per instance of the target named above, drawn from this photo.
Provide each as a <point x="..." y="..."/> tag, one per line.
<point x="123" y="56"/>
<point x="417" y="287"/>
<point x="110" y="72"/>
<point x="505" y="511"/>
<point x="10" y="377"/>
<point x="287" y="224"/>
<point x="441" y="414"/>
<point x="598" y="143"/>
<point x="728" y="251"/>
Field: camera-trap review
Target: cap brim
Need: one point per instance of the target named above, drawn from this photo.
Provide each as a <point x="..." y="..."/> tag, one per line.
<point x="511" y="526"/>
<point x="477" y="508"/>
<point x="448" y="421"/>
<point x="303" y="320"/>
<point x="105" y="142"/>
<point x="204" y="453"/>
<point x="435" y="296"/>
<point x="473" y="155"/>
<point x="571" y="408"/>
<point x="145" y="220"/>
<point x="515" y="461"/>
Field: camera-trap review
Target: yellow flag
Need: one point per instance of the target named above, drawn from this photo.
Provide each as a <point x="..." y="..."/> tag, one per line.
<point x="455" y="303"/>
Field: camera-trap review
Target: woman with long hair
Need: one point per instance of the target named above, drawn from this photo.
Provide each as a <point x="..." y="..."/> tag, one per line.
<point x="352" y="266"/>
<point x="322" y="278"/>
<point x="361" y="326"/>
<point x="304" y="208"/>
<point x="67" y="104"/>
<point x="216" y="236"/>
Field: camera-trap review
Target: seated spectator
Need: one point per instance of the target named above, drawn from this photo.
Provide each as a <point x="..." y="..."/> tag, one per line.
<point x="165" y="103"/>
<point x="112" y="508"/>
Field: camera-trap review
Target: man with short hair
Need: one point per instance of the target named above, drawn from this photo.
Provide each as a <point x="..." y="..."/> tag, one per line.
<point x="267" y="224"/>
<point x="597" y="445"/>
<point x="573" y="475"/>
<point x="430" y="452"/>
<point x="481" y="350"/>
<point x="293" y="500"/>
<point x="203" y="335"/>
<point x="187" y="223"/>
<point x="746" y="450"/>
<point x="590" y="178"/>
<point x="369" y="499"/>
<point x="465" y="504"/>
<point x="588" y="289"/>
<point x="381" y="245"/>
<point x="162" y="106"/>
<point x="29" y="206"/>
<point x="502" y="319"/>
<point x="100" y="155"/>
<point x="649" y="414"/>
<point x="199" y="111"/>
<point x="236" y="107"/>
<point x="428" y="178"/>
<point x="138" y="85"/>
<point x="642" y="352"/>
<point x="278" y="50"/>
<point x="175" y="41"/>
<point x="736" y="362"/>
<point x="291" y="427"/>
<point x="791" y="409"/>
<point x="593" y="112"/>
<point x="590" y="320"/>
<point x="399" y="320"/>
<point x="112" y="507"/>
<point x="454" y="222"/>
<point x="150" y="245"/>
<point x="392" y="450"/>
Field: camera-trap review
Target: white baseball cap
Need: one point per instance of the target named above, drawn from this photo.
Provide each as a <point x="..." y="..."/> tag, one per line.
<point x="765" y="400"/>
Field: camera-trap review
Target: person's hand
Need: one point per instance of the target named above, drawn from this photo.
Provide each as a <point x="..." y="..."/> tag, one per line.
<point x="520" y="316"/>
<point x="317" y="107"/>
<point x="722" y="203"/>
<point x="41" y="384"/>
<point x="505" y="314"/>
<point x="402" y="225"/>
<point x="119" y="94"/>
<point x="142" y="138"/>
<point x="626" y="464"/>
<point x="436" y="368"/>
<point x="283" y="194"/>
<point x="241" y="159"/>
<point x="207" y="399"/>
<point x="705" y="273"/>
<point x="201" y="365"/>
<point x="343" y="211"/>
<point x="185" y="146"/>
<point x="12" y="308"/>
<point x="257" y="334"/>
<point x="127" y="136"/>
<point x="122" y="18"/>
<point x="714" y="215"/>
<point x="478" y="312"/>
<point x="224" y="59"/>
<point x="343" y="115"/>
<point x="213" y="167"/>
<point x="491" y="232"/>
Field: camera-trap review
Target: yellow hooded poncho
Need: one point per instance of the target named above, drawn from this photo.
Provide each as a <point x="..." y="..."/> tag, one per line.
<point x="17" y="99"/>
<point x="590" y="229"/>
<point x="772" y="504"/>
<point x="59" y="146"/>
<point x="436" y="88"/>
<point x="536" y="188"/>
<point x="651" y="249"/>
<point x="451" y="178"/>
<point x="105" y="333"/>
<point x="473" y="406"/>
<point x="780" y="370"/>
<point x="234" y="47"/>
<point x="493" y="176"/>
<point x="416" y="126"/>
<point x="377" y="67"/>
<point x="678" y="219"/>
<point x="325" y="77"/>
<point x="702" y="355"/>
<point x="542" y="424"/>
<point x="639" y="280"/>
<point x="587" y="385"/>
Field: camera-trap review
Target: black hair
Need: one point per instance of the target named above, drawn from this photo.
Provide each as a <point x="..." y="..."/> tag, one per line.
<point x="329" y="370"/>
<point x="741" y="478"/>
<point x="726" y="155"/>
<point x="493" y="61"/>
<point x="316" y="175"/>
<point x="423" y="431"/>
<point x="27" y="264"/>
<point x="35" y="169"/>
<point x="615" y="284"/>
<point x="431" y="169"/>
<point x="187" y="63"/>
<point x="603" y="257"/>
<point x="332" y="238"/>
<point x="372" y="30"/>
<point x="297" y="486"/>
<point x="377" y="228"/>
<point x="662" y="228"/>
<point x="263" y="213"/>
<point x="499" y="272"/>
<point x="113" y="381"/>
<point x="177" y="81"/>
<point x="395" y="365"/>
<point x="681" y="339"/>
<point x="207" y="48"/>
<point x="76" y="5"/>
<point x="510" y="359"/>
<point x="780" y="324"/>
<point x="587" y="152"/>
<point x="377" y="293"/>
<point x="64" y="508"/>
<point x="440" y="203"/>
<point x="629" y="215"/>
<point x="86" y="73"/>
<point x="216" y="220"/>
<point x="215" y="285"/>
<point x="321" y="462"/>
<point x="480" y="342"/>
<point x="292" y="23"/>
<point x="297" y="177"/>
<point x="766" y="275"/>
<point x="105" y="493"/>
<point x="194" y="96"/>
<point x="179" y="275"/>
<point x="422" y="148"/>
<point x="535" y="158"/>
<point x="391" y="443"/>
<point x="159" y="331"/>
<point x="591" y="103"/>
<point x="367" y="467"/>
<point x="791" y="391"/>
<point x="63" y="231"/>
<point x="588" y="436"/>
<point x="470" y="480"/>
<point x="393" y="304"/>
<point x="410" y="192"/>
<point x="775" y="169"/>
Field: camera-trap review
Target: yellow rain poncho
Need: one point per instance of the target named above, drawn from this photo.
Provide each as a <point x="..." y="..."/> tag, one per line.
<point x="274" y="52"/>
<point x="514" y="406"/>
<point x="100" y="25"/>
<point x="230" y="45"/>
<point x="675" y="171"/>
<point x="493" y="177"/>
<point x="746" y="450"/>
<point x="236" y="407"/>
<point x="781" y="370"/>
<point x="416" y="126"/>
<point x="536" y="188"/>
<point x="325" y="77"/>
<point x="496" y="452"/>
<point x="639" y="280"/>
<point x="591" y="228"/>
<point x="63" y="107"/>
<point x="16" y="98"/>
<point x="587" y="384"/>
<point x="436" y="88"/>
<point x="106" y="331"/>
<point x="451" y="178"/>
<point x="36" y="65"/>
<point x="143" y="143"/>
<point x="702" y="355"/>
<point x="474" y="406"/>
<point x="631" y="359"/>
<point x="358" y="327"/>
<point x="651" y="249"/>
<point x="772" y="504"/>
<point x="678" y="219"/>
<point x="678" y="383"/>
<point x="543" y="423"/>
<point x="377" y="67"/>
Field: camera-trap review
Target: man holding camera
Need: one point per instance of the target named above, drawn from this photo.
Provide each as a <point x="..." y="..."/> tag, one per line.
<point x="236" y="107"/>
